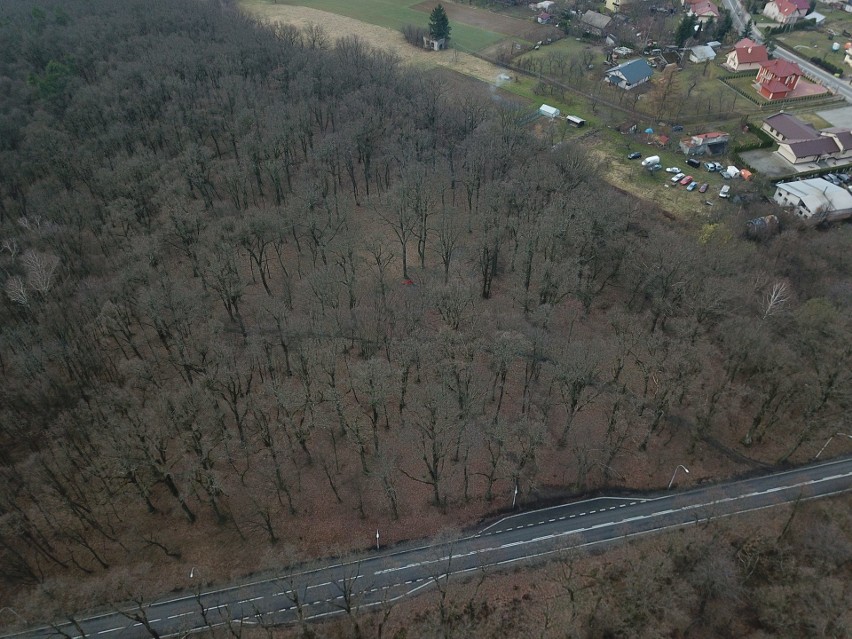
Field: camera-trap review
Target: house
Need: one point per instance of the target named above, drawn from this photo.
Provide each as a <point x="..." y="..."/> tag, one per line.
<point x="830" y="144"/>
<point x="786" y="11"/>
<point x="799" y="142"/>
<point x="746" y="56"/>
<point x="544" y="18"/>
<point x="816" y="18"/>
<point x="777" y="78"/>
<point x="548" y="111"/>
<point x="615" y="6"/>
<point x="783" y="127"/>
<point x="815" y="199"/>
<point x="702" y="53"/>
<point x="806" y="151"/>
<point x="713" y="143"/>
<point x="630" y="74"/>
<point x="704" y="11"/>
<point x="595" y="23"/>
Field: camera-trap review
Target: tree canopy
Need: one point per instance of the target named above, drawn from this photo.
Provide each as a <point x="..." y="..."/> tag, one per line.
<point x="439" y="23"/>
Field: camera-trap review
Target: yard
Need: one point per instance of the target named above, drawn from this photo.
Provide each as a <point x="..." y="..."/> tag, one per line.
<point x="472" y="29"/>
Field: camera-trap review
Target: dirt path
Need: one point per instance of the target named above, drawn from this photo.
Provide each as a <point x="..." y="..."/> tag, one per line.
<point x="339" y="26"/>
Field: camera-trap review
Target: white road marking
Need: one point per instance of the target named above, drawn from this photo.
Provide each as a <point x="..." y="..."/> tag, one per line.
<point x="248" y="600"/>
<point x="183" y="614"/>
<point x="103" y="632"/>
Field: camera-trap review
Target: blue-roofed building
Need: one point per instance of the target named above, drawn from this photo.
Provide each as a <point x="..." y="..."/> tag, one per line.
<point x="630" y="74"/>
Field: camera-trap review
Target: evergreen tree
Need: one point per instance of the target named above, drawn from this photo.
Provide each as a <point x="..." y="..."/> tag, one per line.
<point x="439" y="24"/>
<point x="685" y="30"/>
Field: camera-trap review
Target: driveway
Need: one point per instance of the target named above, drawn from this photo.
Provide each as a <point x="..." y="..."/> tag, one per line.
<point x="838" y="117"/>
<point x="768" y="163"/>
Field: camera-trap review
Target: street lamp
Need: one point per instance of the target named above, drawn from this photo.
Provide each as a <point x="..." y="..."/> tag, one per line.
<point x="685" y="469"/>
<point x="825" y="445"/>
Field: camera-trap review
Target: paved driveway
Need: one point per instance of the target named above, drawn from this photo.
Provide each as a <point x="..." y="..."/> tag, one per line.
<point x="838" y="117"/>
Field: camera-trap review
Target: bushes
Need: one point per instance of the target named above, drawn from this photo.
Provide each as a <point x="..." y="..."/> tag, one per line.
<point x="828" y="66"/>
<point x="414" y="35"/>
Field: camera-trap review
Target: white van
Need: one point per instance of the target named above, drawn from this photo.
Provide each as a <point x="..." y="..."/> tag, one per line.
<point x="725" y="190"/>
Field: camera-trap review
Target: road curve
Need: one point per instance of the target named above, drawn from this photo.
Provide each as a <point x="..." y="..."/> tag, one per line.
<point x="383" y="577"/>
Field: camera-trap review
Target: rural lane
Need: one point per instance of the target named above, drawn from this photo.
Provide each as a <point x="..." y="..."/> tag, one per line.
<point x="371" y="580"/>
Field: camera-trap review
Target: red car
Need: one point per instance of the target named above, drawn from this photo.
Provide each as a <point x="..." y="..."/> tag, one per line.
<point x="686" y="180"/>
<point x="703" y="188"/>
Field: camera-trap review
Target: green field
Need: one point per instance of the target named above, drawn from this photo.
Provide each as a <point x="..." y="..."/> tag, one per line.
<point x="395" y="14"/>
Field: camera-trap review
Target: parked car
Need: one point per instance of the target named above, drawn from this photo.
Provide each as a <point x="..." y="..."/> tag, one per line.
<point x="710" y="166"/>
<point x="634" y="156"/>
<point x="677" y="178"/>
<point x="686" y="180"/>
<point x="718" y="166"/>
<point x="832" y="178"/>
<point x="693" y="162"/>
<point x="655" y="167"/>
<point x="725" y="190"/>
<point x="703" y="188"/>
<point x="692" y="186"/>
<point x="673" y="169"/>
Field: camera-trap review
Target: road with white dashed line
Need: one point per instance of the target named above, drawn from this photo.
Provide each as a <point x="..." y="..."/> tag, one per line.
<point x="383" y="577"/>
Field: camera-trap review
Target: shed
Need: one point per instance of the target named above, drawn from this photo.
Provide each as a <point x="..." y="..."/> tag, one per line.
<point x="548" y="111"/>
<point x="575" y="121"/>
<point x="702" y="53"/>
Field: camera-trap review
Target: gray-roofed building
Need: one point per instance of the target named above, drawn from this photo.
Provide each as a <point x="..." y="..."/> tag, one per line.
<point x="630" y="74"/>
<point x="784" y="127"/>
<point x="595" y="23"/>
<point x="702" y="53"/>
<point x="815" y="199"/>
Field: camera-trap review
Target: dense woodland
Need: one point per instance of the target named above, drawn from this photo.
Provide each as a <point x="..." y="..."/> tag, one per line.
<point x="263" y="290"/>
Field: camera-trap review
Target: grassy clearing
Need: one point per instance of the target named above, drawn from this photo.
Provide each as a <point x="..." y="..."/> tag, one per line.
<point x="395" y="14"/>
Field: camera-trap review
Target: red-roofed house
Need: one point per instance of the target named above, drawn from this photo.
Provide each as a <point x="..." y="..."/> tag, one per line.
<point x="714" y="143"/>
<point x="747" y="55"/>
<point x="544" y="17"/>
<point x="703" y="10"/>
<point x="786" y="11"/>
<point x="777" y="78"/>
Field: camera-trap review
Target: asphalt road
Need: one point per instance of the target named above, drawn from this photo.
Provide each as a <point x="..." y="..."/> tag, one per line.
<point x="379" y="577"/>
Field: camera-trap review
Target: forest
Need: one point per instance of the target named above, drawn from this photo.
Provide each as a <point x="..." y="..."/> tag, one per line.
<point x="263" y="293"/>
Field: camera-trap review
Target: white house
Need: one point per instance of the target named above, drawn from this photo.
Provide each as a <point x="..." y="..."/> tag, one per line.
<point x="786" y="11"/>
<point x="746" y="56"/>
<point x="548" y="111"/>
<point x="815" y="199"/>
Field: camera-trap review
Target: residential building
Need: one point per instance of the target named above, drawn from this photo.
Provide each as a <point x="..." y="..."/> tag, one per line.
<point x="783" y="127"/>
<point x="800" y="143"/>
<point x="713" y="143"/>
<point x="704" y="11"/>
<point x="595" y="23"/>
<point x="815" y="199"/>
<point x="630" y="74"/>
<point x="746" y="56"/>
<point x="786" y="11"/>
<point x="615" y="6"/>
<point x="544" y="18"/>
<point x="777" y="78"/>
